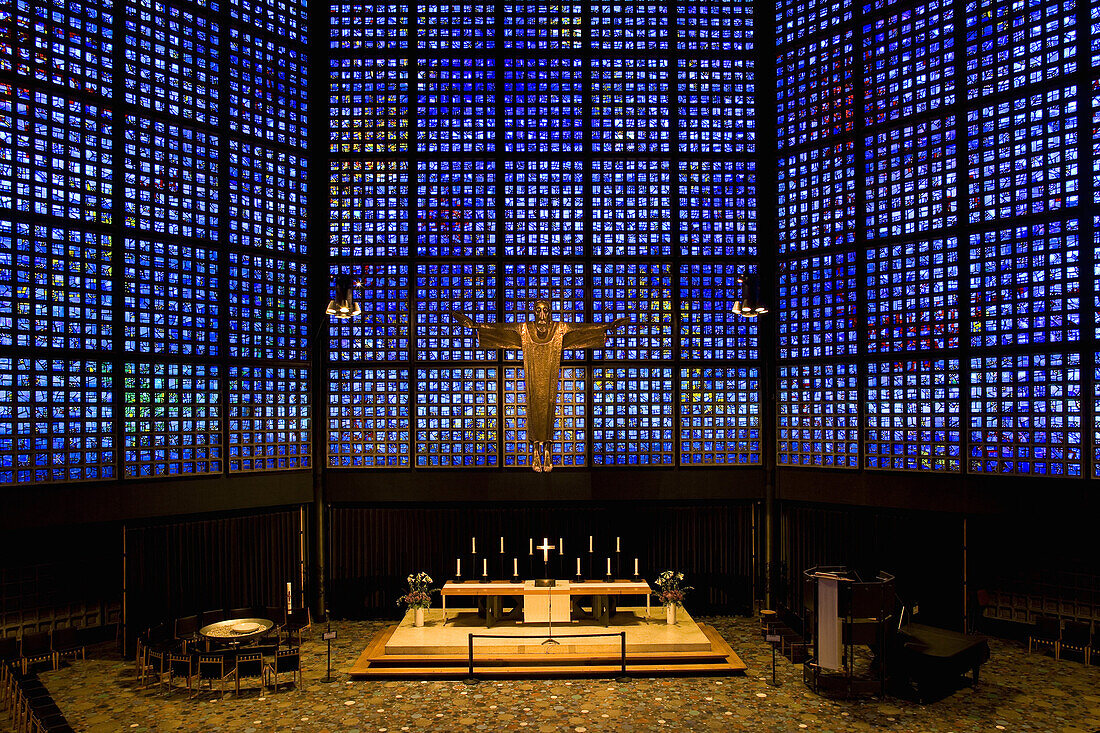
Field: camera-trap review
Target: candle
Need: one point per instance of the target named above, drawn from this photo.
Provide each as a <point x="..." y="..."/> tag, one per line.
<point x="609" y="566"/>
<point x="458" y="567"/>
<point x="501" y="545"/>
<point x="635" y="567"/>
<point x="484" y="566"/>
<point x="515" y="567"/>
<point x="289" y="597"/>
<point x="590" y="543"/>
<point x="616" y="544"/>
<point x="473" y="545"/>
<point x="531" y="548"/>
<point x="561" y="547"/>
<point x="578" y="567"/>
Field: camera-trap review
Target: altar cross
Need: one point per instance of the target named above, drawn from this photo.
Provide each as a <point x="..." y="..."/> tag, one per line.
<point x="545" y="547"/>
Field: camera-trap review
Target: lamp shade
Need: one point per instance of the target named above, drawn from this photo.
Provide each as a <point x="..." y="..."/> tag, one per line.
<point x="342" y="304"/>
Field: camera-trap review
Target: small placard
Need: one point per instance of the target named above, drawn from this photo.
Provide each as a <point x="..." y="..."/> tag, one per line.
<point x="328" y="636"/>
<point x="773" y="637"/>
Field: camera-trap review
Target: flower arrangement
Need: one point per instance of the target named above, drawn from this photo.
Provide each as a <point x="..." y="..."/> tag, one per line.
<point x="419" y="594"/>
<point x="669" y="591"/>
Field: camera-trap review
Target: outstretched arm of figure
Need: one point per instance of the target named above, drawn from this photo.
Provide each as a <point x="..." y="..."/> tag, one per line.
<point x="491" y="335"/>
<point x="590" y="335"/>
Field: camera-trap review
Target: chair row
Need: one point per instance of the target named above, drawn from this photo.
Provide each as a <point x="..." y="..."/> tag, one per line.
<point x="1062" y="635"/>
<point x="186" y="628"/>
<point x="28" y="703"/>
<point x="42" y="646"/>
<point x="164" y="667"/>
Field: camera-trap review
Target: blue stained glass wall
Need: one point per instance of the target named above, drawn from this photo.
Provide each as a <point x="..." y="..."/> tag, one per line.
<point x="930" y="162"/>
<point x="603" y="157"/>
<point x="153" y="239"/>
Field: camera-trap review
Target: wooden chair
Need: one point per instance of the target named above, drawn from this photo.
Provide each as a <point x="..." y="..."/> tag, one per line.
<point x="244" y="612"/>
<point x="66" y="643"/>
<point x="187" y="631"/>
<point x="220" y="667"/>
<point x="250" y="664"/>
<point x="34" y="648"/>
<point x="297" y="620"/>
<point x="153" y="665"/>
<point x="1047" y="632"/>
<point x="181" y="665"/>
<point x="1076" y="637"/>
<point x="212" y="617"/>
<point x="286" y="661"/>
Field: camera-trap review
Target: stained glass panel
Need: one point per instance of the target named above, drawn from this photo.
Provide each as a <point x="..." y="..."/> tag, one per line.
<point x="720" y="416"/>
<point x="456" y="208"/>
<point x="171" y="298"/>
<point x="798" y="19"/>
<point x="55" y="156"/>
<point x="1025" y="415"/>
<point x="469" y="288"/>
<point x="171" y="179"/>
<point x="267" y="89"/>
<point x="633" y="416"/>
<point x="570" y="422"/>
<point x="543" y="105"/>
<point x="910" y="179"/>
<point x="1022" y="155"/>
<point x="632" y="25"/>
<point x="817" y="306"/>
<point x="642" y="292"/>
<point x="630" y="105"/>
<point x="818" y="422"/>
<point x="714" y="25"/>
<point x="268" y="418"/>
<point x="68" y="44"/>
<point x="381" y="332"/>
<point x="914" y="418"/>
<point x="57" y="421"/>
<point x="368" y="418"/>
<point x="55" y="288"/>
<point x="1025" y="285"/>
<point x="708" y="327"/>
<point x="172" y="419"/>
<point x="456" y="105"/>
<point x="543" y="26"/>
<point x="544" y="202"/>
<point x="815" y="91"/>
<point x="172" y="63"/>
<point x="368" y="105"/>
<point x="913" y="296"/>
<point x="631" y="207"/>
<point x="716" y="99"/>
<point x="717" y="208"/>
<point x="369" y="208"/>
<point x="457" y="424"/>
<point x="284" y="18"/>
<point x="560" y="283"/>
<point x="368" y="25"/>
<point x="816" y="198"/>
<point x="455" y="26"/>
<point x="267" y="199"/>
<point x="267" y="307"/>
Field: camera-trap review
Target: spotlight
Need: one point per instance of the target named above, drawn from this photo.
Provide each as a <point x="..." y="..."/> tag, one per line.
<point x="748" y="303"/>
<point x="342" y="305"/>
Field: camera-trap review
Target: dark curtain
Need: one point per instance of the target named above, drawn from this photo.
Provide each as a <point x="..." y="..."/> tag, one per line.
<point x="372" y="549"/>
<point x="922" y="550"/>
<point x="185" y="568"/>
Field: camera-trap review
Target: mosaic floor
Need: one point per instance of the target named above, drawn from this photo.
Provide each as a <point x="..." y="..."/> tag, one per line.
<point x="1017" y="692"/>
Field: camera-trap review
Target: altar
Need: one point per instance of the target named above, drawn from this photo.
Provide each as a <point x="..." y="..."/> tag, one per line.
<point x="539" y="604"/>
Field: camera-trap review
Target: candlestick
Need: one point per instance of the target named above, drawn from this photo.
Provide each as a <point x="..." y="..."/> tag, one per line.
<point x="635" y="567"/>
<point x="501" y="545"/>
<point x="561" y="547"/>
<point x="590" y="543"/>
<point x="458" y="567"/>
<point x="609" y="567"/>
<point x="515" y="567"/>
<point x="531" y="547"/>
<point x="473" y="545"/>
<point x="578" y="567"/>
<point x="616" y="544"/>
<point x="484" y="567"/>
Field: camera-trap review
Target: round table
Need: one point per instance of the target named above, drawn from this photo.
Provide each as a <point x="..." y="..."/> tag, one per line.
<point x="236" y="630"/>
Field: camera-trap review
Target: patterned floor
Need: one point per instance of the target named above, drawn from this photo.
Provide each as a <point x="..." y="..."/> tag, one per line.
<point x="1017" y="692"/>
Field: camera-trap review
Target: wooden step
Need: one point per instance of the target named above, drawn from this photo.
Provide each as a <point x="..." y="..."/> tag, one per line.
<point x="593" y="670"/>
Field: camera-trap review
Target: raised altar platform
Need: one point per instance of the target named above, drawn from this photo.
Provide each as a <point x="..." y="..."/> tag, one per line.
<point x="442" y="651"/>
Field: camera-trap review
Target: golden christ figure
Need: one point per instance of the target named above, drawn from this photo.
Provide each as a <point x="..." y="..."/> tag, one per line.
<point x="542" y="341"/>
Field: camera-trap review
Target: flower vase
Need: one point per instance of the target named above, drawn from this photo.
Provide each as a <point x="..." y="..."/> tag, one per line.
<point x="670" y="614"/>
<point x="418" y="617"/>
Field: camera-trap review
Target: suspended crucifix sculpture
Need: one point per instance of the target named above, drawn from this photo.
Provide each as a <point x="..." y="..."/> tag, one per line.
<point x="542" y="341"/>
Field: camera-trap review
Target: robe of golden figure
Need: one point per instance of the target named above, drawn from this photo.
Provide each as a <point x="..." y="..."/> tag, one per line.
<point x="542" y="341"/>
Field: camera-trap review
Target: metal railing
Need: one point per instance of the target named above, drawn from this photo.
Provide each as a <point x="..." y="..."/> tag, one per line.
<point x="620" y="634"/>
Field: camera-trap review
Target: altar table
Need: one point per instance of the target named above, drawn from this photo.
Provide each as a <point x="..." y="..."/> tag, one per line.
<point x="494" y="592"/>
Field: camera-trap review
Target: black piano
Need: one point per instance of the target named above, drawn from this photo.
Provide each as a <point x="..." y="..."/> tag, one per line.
<point x="932" y="660"/>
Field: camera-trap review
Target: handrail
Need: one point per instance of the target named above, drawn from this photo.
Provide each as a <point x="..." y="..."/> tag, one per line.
<point x="620" y="634"/>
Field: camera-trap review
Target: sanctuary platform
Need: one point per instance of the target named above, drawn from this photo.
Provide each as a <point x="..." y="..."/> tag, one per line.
<point x="653" y="648"/>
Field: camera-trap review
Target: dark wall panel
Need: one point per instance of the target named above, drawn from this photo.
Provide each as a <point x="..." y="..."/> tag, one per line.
<point x="372" y="549"/>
